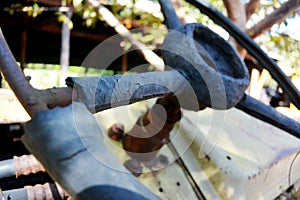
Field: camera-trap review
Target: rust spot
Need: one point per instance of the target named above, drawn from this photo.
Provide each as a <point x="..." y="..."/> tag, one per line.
<point x="45" y="192"/>
<point x="163" y="159"/>
<point x="116" y="131"/>
<point x="152" y="131"/>
<point x="27" y="164"/>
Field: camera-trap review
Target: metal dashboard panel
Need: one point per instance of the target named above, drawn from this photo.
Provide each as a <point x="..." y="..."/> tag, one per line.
<point x="235" y="156"/>
<point x="230" y="155"/>
<point x="168" y="181"/>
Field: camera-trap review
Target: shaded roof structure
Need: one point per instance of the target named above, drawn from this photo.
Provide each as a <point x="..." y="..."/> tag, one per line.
<point x="38" y="39"/>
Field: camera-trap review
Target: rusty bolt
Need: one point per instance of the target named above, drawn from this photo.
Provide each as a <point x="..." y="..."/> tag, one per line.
<point x="116" y="131"/>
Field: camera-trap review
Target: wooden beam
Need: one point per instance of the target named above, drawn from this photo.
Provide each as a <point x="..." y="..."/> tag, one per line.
<point x="23" y="49"/>
<point x="124" y="63"/>
<point x="50" y="2"/>
<point x="54" y="28"/>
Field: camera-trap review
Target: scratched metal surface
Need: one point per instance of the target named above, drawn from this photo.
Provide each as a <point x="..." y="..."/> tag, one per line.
<point x="169" y="181"/>
<point x="230" y="154"/>
<point x="242" y="163"/>
<point x="235" y="156"/>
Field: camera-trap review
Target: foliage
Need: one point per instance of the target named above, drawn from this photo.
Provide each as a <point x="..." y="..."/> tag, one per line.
<point x="86" y="12"/>
<point x="287" y="48"/>
<point x="62" y="17"/>
<point x="133" y="15"/>
<point x="32" y="11"/>
<point x="279" y="39"/>
<point x="142" y="22"/>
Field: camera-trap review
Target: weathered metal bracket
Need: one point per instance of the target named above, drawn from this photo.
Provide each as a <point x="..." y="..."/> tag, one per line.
<point x="65" y="164"/>
<point x="226" y="66"/>
<point x="253" y="49"/>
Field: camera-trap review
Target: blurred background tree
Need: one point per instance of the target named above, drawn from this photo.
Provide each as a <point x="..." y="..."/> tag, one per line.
<point x="271" y="23"/>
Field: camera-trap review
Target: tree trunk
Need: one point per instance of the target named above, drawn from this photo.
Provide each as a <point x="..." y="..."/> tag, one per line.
<point x="179" y="10"/>
<point x="237" y="13"/>
<point x="251" y="7"/>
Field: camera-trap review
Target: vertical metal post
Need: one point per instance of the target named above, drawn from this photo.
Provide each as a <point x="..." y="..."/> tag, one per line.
<point x="65" y="49"/>
<point x="23" y="49"/>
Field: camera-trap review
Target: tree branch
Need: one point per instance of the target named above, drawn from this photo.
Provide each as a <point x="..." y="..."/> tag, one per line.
<point x="33" y="100"/>
<point x="112" y="21"/>
<point x="276" y="17"/>
<point x="179" y="10"/>
<point x="236" y="12"/>
<point x="251" y="8"/>
<point x="16" y="80"/>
